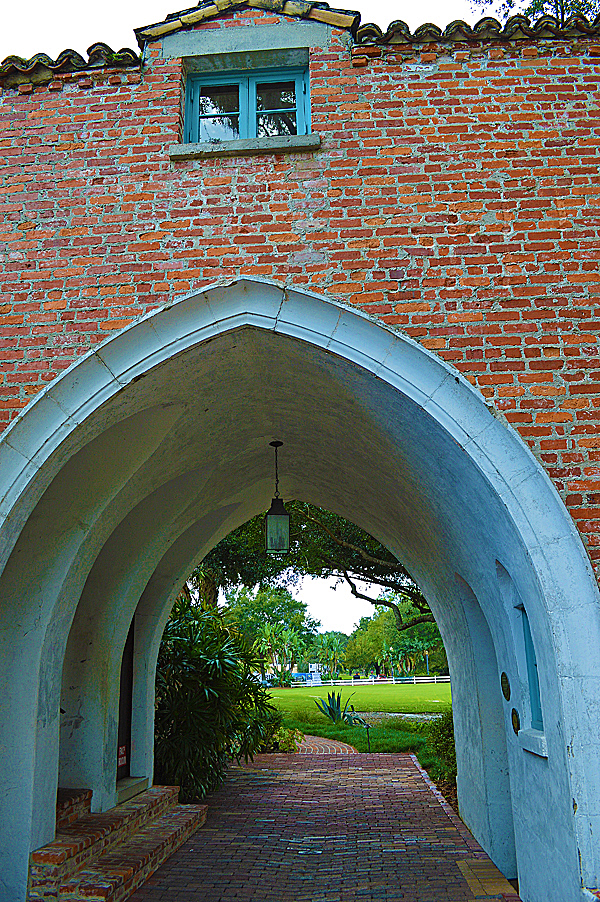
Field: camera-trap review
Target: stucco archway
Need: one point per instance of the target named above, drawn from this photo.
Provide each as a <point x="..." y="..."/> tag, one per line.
<point x="128" y="468"/>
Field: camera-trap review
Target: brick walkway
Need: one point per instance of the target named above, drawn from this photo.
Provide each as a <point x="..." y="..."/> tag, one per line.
<point x="316" y="745"/>
<point x="328" y="828"/>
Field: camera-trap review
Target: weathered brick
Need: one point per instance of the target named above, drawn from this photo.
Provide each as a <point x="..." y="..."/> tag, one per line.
<point x="458" y="202"/>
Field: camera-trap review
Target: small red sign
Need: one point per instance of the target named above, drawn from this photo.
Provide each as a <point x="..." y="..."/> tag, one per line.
<point x="122" y="756"/>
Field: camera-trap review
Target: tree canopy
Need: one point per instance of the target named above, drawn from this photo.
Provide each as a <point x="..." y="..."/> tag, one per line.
<point x="274" y="623"/>
<point x="562" y="10"/>
<point x="249" y="610"/>
<point x="377" y="644"/>
<point x="322" y="544"/>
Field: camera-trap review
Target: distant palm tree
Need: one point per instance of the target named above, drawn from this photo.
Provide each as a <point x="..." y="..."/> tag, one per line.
<point x="319" y="649"/>
<point x="334" y="649"/>
<point x="408" y="652"/>
<point x="385" y="658"/>
<point x="279" y="647"/>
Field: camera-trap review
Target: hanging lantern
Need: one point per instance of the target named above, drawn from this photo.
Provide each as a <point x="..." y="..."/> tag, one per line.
<point x="277" y="519"/>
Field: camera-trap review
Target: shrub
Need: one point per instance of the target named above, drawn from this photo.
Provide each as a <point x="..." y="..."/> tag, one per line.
<point x="287" y="740"/>
<point x="440" y="742"/>
<point x="279" y="738"/>
<point x="210" y="705"/>
<point x="272" y="723"/>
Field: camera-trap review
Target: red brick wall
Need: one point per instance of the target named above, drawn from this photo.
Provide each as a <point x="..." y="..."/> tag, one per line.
<point x="456" y="196"/>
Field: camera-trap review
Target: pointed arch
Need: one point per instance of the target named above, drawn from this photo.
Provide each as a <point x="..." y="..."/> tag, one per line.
<point x="139" y="458"/>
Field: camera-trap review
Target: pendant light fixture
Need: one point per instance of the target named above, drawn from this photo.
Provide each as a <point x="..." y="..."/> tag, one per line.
<point x="277" y="519"/>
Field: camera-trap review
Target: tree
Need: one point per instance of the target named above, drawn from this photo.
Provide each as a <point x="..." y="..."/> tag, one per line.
<point x="385" y="659"/>
<point x="322" y="544"/>
<point x="377" y="643"/>
<point x="265" y="646"/>
<point x="329" y="649"/>
<point x="561" y="10"/>
<point x="361" y="653"/>
<point x="278" y="647"/>
<point x="407" y="652"/>
<point x="318" y="650"/>
<point x="367" y="646"/>
<point x="251" y="609"/>
<point x="334" y="653"/>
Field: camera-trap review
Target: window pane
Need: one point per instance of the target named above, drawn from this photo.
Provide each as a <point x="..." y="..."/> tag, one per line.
<point x="219" y="107"/>
<point x="219" y="128"/>
<point x="268" y="125"/>
<point x="532" y="675"/>
<point x="279" y="95"/>
<point x="219" y="99"/>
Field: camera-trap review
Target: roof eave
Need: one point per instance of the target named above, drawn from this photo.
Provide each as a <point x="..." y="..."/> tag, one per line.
<point x="300" y="9"/>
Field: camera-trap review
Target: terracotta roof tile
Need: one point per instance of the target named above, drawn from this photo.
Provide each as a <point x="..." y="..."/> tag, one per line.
<point x="517" y="28"/>
<point x="41" y="68"/>
<point x="319" y="12"/>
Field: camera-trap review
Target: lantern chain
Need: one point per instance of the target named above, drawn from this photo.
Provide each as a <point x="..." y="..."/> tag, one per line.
<point x="276" y="445"/>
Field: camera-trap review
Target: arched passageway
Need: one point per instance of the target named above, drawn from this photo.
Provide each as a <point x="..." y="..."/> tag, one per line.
<point x="133" y="464"/>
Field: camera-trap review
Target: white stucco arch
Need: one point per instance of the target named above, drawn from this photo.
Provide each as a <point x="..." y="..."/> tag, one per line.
<point x="131" y="465"/>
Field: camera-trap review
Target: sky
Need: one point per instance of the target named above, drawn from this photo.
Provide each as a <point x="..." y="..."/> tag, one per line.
<point x="333" y="604"/>
<point x="43" y="27"/>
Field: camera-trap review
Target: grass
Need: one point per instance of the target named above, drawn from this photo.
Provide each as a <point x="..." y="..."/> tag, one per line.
<point x="387" y="734"/>
<point x="403" y="698"/>
<point x="390" y="735"/>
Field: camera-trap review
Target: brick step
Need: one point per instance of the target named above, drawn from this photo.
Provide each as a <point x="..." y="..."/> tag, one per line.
<point x="71" y="804"/>
<point x="79" y="844"/>
<point x="119" y="873"/>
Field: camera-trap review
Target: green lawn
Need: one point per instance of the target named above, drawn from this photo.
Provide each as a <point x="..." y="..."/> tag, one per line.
<point x="387" y="734"/>
<point x="404" y="698"/>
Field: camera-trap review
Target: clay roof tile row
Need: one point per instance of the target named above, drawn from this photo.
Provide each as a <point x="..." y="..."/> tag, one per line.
<point x="517" y="28"/>
<point x="320" y="12"/>
<point x="41" y="68"/>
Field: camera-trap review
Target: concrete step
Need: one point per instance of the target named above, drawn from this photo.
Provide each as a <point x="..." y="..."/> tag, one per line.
<point x="71" y="804"/>
<point x="119" y="873"/>
<point x="80" y="843"/>
<point x="130" y="787"/>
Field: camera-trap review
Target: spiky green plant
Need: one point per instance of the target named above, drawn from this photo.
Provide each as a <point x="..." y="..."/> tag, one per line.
<point x="332" y="708"/>
<point x="210" y="704"/>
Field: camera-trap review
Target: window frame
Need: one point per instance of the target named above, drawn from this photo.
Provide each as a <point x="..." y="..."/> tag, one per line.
<point x="247" y="81"/>
<point x="535" y="699"/>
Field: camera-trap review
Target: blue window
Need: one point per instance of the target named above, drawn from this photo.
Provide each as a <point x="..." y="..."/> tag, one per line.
<point x="257" y="104"/>
<point x="532" y="675"/>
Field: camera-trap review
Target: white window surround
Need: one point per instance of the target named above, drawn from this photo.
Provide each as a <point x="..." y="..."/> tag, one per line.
<point x="283" y="144"/>
<point x="533" y="741"/>
<point x="246" y="60"/>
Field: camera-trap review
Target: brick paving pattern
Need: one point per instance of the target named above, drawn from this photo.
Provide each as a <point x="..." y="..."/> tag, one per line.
<point x="316" y="745"/>
<point x="328" y="828"/>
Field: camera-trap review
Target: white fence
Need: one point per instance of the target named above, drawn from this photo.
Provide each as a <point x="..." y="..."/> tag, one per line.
<point x="372" y="681"/>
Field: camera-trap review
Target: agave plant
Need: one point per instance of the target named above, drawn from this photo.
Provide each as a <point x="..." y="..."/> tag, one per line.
<point x="332" y="708"/>
<point x="354" y="719"/>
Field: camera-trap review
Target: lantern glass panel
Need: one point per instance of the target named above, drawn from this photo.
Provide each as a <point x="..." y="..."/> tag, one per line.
<point x="278" y="534"/>
<point x="277" y="528"/>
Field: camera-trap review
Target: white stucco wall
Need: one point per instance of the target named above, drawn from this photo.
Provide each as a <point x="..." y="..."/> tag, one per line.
<point x="133" y="464"/>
